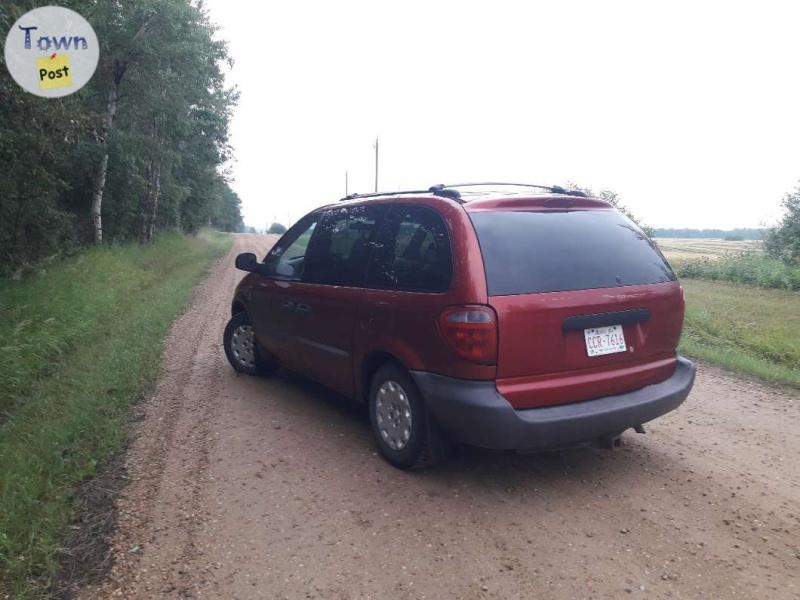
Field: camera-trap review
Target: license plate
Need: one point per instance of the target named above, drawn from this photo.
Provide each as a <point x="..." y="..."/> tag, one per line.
<point x="604" y="340"/>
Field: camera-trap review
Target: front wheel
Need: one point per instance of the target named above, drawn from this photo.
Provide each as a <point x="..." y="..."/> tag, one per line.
<point x="407" y="435"/>
<point x="240" y="345"/>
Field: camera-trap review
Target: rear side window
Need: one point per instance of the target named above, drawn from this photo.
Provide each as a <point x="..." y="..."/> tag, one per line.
<point x="533" y="252"/>
<point x="341" y="245"/>
<point x="412" y="252"/>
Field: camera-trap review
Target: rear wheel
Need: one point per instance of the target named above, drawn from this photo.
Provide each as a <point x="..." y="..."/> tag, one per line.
<point x="241" y="348"/>
<point x="406" y="433"/>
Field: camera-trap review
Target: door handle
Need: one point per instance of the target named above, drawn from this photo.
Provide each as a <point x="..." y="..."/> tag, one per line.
<point x="288" y="305"/>
<point x="302" y="308"/>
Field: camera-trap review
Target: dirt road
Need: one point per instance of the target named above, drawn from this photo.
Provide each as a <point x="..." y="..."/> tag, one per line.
<point x="271" y="488"/>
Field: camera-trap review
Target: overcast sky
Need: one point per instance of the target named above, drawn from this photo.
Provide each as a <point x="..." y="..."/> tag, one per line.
<point x="689" y="110"/>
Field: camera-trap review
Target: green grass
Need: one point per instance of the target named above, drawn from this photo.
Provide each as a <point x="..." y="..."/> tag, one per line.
<point x="742" y="308"/>
<point x="79" y="344"/>
<point x="744" y="328"/>
<point x="752" y="268"/>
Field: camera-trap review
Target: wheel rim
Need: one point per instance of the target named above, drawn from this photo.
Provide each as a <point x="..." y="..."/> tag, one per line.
<point x="242" y="346"/>
<point x="393" y="415"/>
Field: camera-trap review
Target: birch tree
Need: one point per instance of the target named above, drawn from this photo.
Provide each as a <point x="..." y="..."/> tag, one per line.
<point x="140" y="149"/>
<point x="116" y="68"/>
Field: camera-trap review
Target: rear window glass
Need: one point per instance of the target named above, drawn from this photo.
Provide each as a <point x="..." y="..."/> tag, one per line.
<point x="533" y="252"/>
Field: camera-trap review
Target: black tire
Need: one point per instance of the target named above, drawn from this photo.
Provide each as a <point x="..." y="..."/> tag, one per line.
<point x="426" y="444"/>
<point x="236" y="349"/>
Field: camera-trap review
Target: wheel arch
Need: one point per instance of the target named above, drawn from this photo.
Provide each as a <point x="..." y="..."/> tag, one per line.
<point x="238" y="306"/>
<point x="370" y="364"/>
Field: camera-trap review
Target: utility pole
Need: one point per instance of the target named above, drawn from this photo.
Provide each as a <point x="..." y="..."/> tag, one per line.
<point x="346" y="192"/>
<point x="376" y="164"/>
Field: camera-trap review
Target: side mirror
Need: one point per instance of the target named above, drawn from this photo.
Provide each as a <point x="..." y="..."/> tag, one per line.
<point x="285" y="269"/>
<point x="247" y="261"/>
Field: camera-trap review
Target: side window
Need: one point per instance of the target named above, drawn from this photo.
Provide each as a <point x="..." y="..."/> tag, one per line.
<point x="287" y="257"/>
<point x="412" y="252"/>
<point x="341" y="247"/>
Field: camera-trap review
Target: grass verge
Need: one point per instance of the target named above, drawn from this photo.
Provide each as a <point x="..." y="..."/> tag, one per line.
<point x="744" y="328"/>
<point x="751" y="268"/>
<point x="80" y="344"/>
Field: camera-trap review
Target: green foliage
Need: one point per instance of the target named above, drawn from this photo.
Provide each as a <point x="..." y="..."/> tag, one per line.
<point x="753" y="268"/>
<point x="77" y="350"/>
<point x="171" y="129"/>
<point x="742" y="328"/>
<point x="613" y="199"/>
<point x="277" y="228"/>
<point x="783" y="242"/>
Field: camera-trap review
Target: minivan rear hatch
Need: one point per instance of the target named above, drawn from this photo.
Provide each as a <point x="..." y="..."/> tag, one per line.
<point x="587" y="305"/>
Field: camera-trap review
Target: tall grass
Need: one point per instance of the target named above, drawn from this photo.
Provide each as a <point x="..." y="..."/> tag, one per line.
<point x="80" y="343"/>
<point x="742" y="311"/>
<point x="746" y="329"/>
<point x="752" y="268"/>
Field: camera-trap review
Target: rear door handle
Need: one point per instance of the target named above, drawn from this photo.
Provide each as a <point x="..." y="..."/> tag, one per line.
<point x="302" y="308"/>
<point x="288" y="305"/>
<point x="621" y="317"/>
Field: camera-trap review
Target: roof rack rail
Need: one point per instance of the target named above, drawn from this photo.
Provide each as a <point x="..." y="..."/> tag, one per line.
<point x="450" y="191"/>
<point x="556" y="189"/>
<point x="436" y="190"/>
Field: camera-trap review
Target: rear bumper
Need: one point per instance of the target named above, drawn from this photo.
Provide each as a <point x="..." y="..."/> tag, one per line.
<point x="475" y="413"/>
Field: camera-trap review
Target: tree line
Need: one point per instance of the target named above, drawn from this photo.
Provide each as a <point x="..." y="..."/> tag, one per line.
<point x="742" y="233"/>
<point x="141" y="148"/>
<point x="783" y="240"/>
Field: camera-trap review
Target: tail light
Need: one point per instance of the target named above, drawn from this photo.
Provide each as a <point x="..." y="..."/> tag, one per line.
<point x="471" y="331"/>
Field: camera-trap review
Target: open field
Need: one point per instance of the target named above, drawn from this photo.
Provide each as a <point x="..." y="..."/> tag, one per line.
<point x="744" y="328"/>
<point x="681" y="249"/>
<point x="736" y="262"/>
<point x="731" y="318"/>
<point x="79" y="343"/>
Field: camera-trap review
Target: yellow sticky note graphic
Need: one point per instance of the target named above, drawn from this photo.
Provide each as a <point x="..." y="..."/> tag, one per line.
<point x="54" y="71"/>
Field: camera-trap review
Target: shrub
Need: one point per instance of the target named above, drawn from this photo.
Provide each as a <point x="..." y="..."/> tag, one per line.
<point x="783" y="241"/>
<point x="277" y="228"/>
<point x="753" y="268"/>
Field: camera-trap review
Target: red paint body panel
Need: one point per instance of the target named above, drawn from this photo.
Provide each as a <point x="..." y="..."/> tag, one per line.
<point x="361" y="321"/>
<point x="323" y="338"/>
<point x="562" y="388"/>
<point x="554" y="364"/>
<point x="538" y="364"/>
<point x="537" y="203"/>
<point x="404" y="324"/>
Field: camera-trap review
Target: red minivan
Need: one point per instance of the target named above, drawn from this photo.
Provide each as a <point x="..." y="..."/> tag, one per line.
<point x="496" y="315"/>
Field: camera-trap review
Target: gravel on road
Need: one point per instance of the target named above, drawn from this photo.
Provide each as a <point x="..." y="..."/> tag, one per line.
<point x="242" y="487"/>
